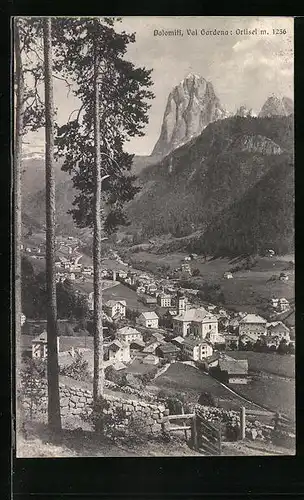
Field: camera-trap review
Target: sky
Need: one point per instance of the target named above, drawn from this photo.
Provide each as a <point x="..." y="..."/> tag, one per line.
<point x="245" y="69"/>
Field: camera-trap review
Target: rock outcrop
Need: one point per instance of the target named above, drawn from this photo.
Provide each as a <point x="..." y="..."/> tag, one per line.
<point x="274" y="106"/>
<point x="191" y="106"/>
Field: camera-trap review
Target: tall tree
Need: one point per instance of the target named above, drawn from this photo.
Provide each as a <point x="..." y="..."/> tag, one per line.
<point x="113" y="96"/>
<point x="28" y="116"/>
<point x="19" y="103"/>
<point x="54" y="418"/>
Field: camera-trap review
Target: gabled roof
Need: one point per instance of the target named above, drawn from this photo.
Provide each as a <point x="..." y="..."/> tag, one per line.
<point x="158" y="336"/>
<point x="277" y="328"/>
<point x="168" y="347"/>
<point x="149" y="315"/>
<point x="253" y="318"/>
<point x="179" y="339"/>
<point x="192" y="342"/>
<point x="128" y="330"/>
<point x="214" y="357"/>
<point x="112" y="303"/>
<point x="197" y="315"/>
<point x="234" y="366"/>
<point x="41" y="338"/>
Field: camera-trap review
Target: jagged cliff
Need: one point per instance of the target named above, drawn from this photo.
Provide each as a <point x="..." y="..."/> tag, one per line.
<point x="274" y="106"/>
<point x="191" y="106"/>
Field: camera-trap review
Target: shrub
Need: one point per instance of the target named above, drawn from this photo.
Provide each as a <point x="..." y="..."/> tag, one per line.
<point x="78" y="369"/>
<point x="115" y="424"/>
<point x="207" y="399"/>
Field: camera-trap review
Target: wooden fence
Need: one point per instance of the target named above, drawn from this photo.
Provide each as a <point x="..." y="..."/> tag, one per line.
<point x="205" y="437"/>
<point x="278" y="421"/>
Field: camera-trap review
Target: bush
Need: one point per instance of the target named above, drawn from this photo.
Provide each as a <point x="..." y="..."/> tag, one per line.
<point x="78" y="369"/>
<point x="207" y="399"/>
<point x="114" y="424"/>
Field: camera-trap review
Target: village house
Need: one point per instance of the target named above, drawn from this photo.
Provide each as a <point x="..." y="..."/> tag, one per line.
<point x="149" y="300"/>
<point x="39" y="346"/>
<point x="157" y="336"/>
<point x="122" y="274"/>
<point x="167" y="319"/>
<point x="270" y="341"/>
<point x="252" y="324"/>
<point x="115" y="308"/>
<point x="280" y="305"/>
<point x="228" y="275"/>
<point x="164" y="300"/>
<point x="232" y="342"/>
<point x="149" y="319"/>
<point x="150" y="359"/>
<point x="129" y="334"/>
<point x="141" y="289"/>
<point x="195" y="349"/>
<point x="185" y="268"/>
<point x="151" y="288"/>
<point x="231" y="371"/>
<point x="168" y="351"/>
<point x="187" y="258"/>
<point x="211" y="361"/>
<point x="178" y="341"/>
<point x="117" y="351"/>
<point x="234" y="324"/>
<point x="151" y="347"/>
<point x="284" y="277"/>
<point x="196" y="321"/>
<point x="215" y="337"/>
<point x="279" y="330"/>
<point x="249" y="338"/>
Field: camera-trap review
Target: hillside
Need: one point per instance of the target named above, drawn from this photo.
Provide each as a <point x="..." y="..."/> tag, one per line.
<point x="215" y="173"/>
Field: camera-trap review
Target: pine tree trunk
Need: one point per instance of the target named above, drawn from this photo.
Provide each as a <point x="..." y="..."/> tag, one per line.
<point x="18" y="200"/>
<point x="52" y="327"/>
<point x="98" y="381"/>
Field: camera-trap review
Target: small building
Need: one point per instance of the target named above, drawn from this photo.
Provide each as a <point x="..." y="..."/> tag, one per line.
<point x="234" y="324"/>
<point x="129" y="334"/>
<point x="164" y="300"/>
<point x="211" y="361"/>
<point x="151" y="347"/>
<point x="231" y="371"/>
<point x="168" y="351"/>
<point x="150" y="359"/>
<point x="39" y="346"/>
<point x="284" y="277"/>
<point x="284" y="304"/>
<point x="187" y="258"/>
<point x="157" y="336"/>
<point x="149" y="300"/>
<point x="149" y="319"/>
<point x="185" y="268"/>
<point x="253" y="324"/>
<point x="115" y="308"/>
<point x="279" y="330"/>
<point x="117" y="351"/>
<point x="22" y="319"/>
<point x="122" y="274"/>
<point x="249" y="338"/>
<point x="270" y="341"/>
<point x="178" y="341"/>
<point x="228" y="275"/>
<point x="232" y="342"/>
<point x="196" y="349"/>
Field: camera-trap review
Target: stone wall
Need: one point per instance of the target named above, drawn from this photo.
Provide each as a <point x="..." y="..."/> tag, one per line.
<point x="76" y="399"/>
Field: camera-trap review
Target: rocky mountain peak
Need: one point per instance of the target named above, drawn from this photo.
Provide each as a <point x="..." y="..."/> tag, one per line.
<point x="276" y="106"/>
<point x="191" y="106"/>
